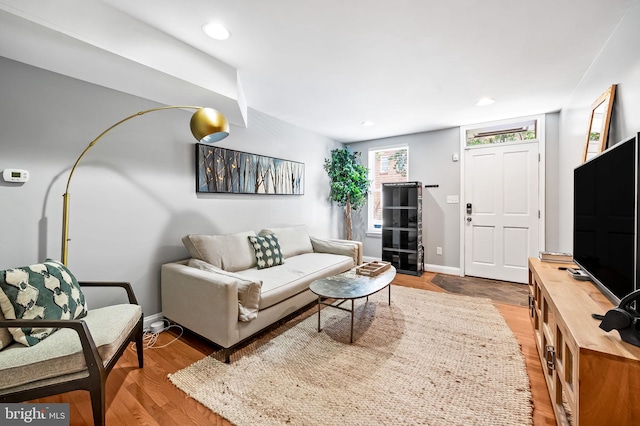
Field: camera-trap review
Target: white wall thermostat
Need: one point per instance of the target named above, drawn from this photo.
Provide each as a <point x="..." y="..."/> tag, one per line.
<point x="15" y="175"/>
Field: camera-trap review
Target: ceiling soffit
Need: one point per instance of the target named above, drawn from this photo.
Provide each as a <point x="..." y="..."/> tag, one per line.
<point x="140" y="60"/>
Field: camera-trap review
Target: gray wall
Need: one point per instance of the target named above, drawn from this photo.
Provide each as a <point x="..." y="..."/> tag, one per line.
<point x="552" y="162"/>
<point x="430" y="162"/>
<point x="618" y="63"/>
<point x="133" y="196"/>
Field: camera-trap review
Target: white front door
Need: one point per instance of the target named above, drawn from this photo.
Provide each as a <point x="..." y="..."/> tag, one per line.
<point x="501" y="210"/>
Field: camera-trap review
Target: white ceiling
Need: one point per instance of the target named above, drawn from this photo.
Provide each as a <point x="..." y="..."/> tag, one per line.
<point x="327" y="66"/>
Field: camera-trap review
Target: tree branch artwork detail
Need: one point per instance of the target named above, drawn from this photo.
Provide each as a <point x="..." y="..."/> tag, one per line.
<point x="236" y="172"/>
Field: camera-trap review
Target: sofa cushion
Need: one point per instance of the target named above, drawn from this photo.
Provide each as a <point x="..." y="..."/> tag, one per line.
<point x="267" y="251"/>
<point x="61" y="353"/>
<point x="284" y="281"/>
<point x="231" y="252"/>
<point x="346" y="248"/>
<point x="293" y="240"/>
<point x="248" y="290"/>
<point x="5" y="336"/>
<point x="45" y="290"/>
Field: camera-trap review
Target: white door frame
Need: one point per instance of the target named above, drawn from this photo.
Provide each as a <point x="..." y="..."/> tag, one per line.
<point x="541" y="178"/>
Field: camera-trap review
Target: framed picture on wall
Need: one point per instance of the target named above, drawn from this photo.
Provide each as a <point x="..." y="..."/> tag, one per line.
<point x="598" y="134"/>
<point x="222" y="170"/>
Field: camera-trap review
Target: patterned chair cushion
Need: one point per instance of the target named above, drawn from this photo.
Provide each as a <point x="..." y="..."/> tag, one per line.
<point x="45" y="290"/>
<point x="5" y="336"/>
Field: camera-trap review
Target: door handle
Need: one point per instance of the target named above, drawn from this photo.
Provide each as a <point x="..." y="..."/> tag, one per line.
<point x="469" y="219"/>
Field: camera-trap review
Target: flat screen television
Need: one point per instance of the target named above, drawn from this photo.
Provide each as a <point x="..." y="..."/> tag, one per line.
<point x="605" y="219"/>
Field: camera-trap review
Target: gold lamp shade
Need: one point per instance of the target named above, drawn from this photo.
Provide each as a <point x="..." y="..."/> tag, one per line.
<point x="209" y="126"/>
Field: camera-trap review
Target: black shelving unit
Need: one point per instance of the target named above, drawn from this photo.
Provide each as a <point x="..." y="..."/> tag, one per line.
<point x="402" y="227"/>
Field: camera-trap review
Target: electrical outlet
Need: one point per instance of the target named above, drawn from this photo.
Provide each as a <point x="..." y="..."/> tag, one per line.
<point x="452" y="199"/>
<point x="439" y="250"/>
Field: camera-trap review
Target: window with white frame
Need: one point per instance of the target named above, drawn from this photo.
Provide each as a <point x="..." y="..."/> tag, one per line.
<point x="384" y="164"/>
<point x="513" y="131"/>
<point x="390" y="164"/>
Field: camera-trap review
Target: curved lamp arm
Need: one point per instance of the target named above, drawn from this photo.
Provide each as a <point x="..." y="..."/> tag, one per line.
<point x="207" y="126"/>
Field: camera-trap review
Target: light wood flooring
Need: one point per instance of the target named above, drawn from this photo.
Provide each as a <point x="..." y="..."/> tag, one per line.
<point x="146" y="397"/>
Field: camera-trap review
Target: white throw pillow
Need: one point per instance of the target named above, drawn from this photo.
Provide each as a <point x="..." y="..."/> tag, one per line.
<point x="231" y="252"/>
<point x="335" y="247"/>
<point x="248" y="291"/>
<point x="293" y="240"/>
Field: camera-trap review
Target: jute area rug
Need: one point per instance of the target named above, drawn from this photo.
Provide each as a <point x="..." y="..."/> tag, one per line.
<point x="429" y="358"/>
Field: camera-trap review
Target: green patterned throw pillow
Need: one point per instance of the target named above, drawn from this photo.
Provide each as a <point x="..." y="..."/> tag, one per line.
<point x="267" y="250"/>
<point x="5" y="336"/>
<point x="41" y="291"/>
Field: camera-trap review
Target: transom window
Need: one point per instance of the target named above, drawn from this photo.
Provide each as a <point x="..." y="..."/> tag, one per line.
<point x="385" y="165"/>
<point x="510" y="132"/>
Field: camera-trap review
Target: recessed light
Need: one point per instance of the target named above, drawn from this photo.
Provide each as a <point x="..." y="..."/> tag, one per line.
<point x="368" y="123"/>
<point x="216" y="31"/>
<point x="485" y="101"/>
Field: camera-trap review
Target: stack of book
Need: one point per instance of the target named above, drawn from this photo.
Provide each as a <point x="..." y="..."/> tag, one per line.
<point x="549" y="256"/>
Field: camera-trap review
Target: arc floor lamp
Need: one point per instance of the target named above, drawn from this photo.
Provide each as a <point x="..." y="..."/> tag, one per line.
<point x="207" y="126"/>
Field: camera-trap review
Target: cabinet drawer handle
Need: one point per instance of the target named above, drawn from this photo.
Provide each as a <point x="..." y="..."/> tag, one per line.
<point x="550" y="357"/>
<point x="532" y="306"/>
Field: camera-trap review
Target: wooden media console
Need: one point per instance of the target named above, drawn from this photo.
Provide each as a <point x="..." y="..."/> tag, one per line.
<point x="592" y="376"/>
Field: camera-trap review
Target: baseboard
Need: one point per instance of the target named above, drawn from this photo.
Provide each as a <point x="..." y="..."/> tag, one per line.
<point x="146" y="324"/>
<point x="442" y="269"/>
<point x="427" y="267"/>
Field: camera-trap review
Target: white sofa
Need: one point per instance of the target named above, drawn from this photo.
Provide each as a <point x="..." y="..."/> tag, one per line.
<point x="221" y="294"/>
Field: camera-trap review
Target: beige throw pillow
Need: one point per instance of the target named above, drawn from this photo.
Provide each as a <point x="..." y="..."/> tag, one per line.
<point x="248" y="291"/>
<point x="293" y="240"/>
<point x="231" y="252"/>
<point x="335" y="247"/>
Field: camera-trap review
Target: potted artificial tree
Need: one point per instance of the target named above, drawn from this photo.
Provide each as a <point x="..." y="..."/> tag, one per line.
<point x="349" y="182"/>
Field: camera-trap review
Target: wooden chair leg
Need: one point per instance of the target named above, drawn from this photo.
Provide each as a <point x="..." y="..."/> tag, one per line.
<point x="98" y="404"/>
<point x="139" y="347"/>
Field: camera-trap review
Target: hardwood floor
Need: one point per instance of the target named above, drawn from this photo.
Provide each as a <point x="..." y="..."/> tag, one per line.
<point x="146" y="397"/>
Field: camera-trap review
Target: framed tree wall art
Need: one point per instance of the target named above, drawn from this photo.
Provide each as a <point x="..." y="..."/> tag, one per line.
<point x="222" y="170"/>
